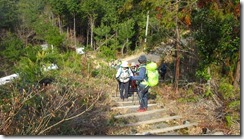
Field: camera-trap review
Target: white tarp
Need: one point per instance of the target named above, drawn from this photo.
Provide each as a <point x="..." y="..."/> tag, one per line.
<point x="80" y="50"/>
<point x="7" y="79"/>
<point x="44" y="46"/>
<point x="51" y="67"/>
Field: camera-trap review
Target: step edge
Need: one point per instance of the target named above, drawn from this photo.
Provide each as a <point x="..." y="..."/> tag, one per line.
<point x="154" y="121"/>
<point x="167" y="129"/>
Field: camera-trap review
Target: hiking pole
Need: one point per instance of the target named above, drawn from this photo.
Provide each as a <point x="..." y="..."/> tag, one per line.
<point x="133" y="98"/>
<point x="117" y="89"/>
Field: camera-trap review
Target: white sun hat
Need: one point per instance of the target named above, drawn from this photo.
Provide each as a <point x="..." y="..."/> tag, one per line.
<point x="124" y="64"/>
<point x="133" y="64"/>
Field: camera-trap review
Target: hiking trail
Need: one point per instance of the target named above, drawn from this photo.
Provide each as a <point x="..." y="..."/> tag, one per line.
<point x="157" y="120"/>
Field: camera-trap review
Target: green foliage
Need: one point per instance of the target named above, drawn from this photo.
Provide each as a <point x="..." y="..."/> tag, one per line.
<point x="111" y="15"/>
<point x="28" y="67"/>
<point x="8" y="14"/>
<point x="208" y="93"/>
<point x="94" y="73"/>
<point x="217" y="36"/>
<point x="70" y="63"/>
<point x="72" y="5"/>
<point x="226" y="90"/>
<point x="92" y="8"/>
<point x="235" y="105"/>
<point x="107" y="52"/>
<point x="29" y="11"/>
<point x="49" y="33"/>
<point x="31" y="65"/>
<point x="228" y="120"/>
<point x="11" y="48"/>
<point x="58" y="6"/>
<point x="126" y="30"/>
<point x="101" y="31"/>
<point x="203" y="74"/>
<point x="106" y="71"/>
<point x="189" y="96"/>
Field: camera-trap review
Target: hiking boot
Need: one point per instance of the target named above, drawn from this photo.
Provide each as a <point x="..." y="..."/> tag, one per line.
<point x="139" y="110"/>
<point x="142" y="110"/>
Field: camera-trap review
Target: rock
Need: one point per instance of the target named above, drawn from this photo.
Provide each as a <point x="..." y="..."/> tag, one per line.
<point x="186" y="122"/>
<point x="218" y="133"/>
<point x="205" y="130"/>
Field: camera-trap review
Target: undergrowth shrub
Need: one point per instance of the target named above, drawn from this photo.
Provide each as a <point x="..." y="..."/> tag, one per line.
<point x="41" y="109"/>
<point x="231" y="99"/>
<point x="107" y="52"/>
<point x="188" y="96"/>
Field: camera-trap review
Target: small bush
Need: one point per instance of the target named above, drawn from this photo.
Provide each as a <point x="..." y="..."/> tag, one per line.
<point x="226" y="90"/>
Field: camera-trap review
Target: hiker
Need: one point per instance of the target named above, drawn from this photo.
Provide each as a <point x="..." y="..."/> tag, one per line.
<point x="134" y="68"/>
<point x="133" y="86"/>
<point x="123" y="77"/>
<point x="162" y="70"/>
<point x="142" y="89"/>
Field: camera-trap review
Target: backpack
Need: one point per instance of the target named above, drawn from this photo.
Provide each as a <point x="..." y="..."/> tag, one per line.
<point x="152" y="75"/>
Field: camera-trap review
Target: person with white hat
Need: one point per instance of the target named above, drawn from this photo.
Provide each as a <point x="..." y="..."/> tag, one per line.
<point x="123" y="76"/>
<point x="134" y="68"/>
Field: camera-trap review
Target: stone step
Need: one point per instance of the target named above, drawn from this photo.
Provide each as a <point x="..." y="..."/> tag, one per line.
<point x="130" y="98"/>
<point x="131" y="106"/>
<point x="154" y="121"/>
<point x="130" y="102"/>
<point x="118" y="93"/>
<point x="120" y="101"/>
<point x="139" y="113"/>
<point x="166" y="129"/>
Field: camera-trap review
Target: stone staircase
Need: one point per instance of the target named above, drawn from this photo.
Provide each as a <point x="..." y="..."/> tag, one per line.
<point x="155" y="121"/>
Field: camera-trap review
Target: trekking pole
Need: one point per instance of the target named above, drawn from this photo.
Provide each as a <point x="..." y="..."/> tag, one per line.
<point x="117" y="89"/>
<point x="133" y="98"/>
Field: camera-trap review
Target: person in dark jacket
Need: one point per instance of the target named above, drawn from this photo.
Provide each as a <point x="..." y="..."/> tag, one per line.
<point x="142" y="89"/>
<point x="162" y="70"/>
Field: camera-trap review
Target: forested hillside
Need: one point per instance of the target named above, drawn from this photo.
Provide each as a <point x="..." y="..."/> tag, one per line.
<point x="199" y="40"/>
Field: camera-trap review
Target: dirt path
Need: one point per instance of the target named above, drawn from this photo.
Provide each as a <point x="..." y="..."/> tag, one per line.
<point x="151" y="57"/>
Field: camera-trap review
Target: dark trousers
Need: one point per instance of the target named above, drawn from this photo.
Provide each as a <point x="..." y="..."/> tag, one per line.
<point x="143" y="96"/>
<point x="124" y="89"/>
<point x="162" y="75"/>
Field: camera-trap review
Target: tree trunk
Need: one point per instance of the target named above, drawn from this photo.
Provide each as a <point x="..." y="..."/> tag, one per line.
<point x="74" y="31"/>
<point x="68" y="37"/>
<point x="209" y="81"/>
<point x="237" y="73"/>
<point x="123" y="47"/>
<point x="146" y="27"/>
<point x="92" y="27"/>
<point x="87" y="36"/>
<point x="60" y="25"/>
<point x="177" y="61"/>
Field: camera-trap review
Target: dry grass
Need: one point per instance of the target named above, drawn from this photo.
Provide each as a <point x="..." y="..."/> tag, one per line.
<point x="204" y="111"/>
